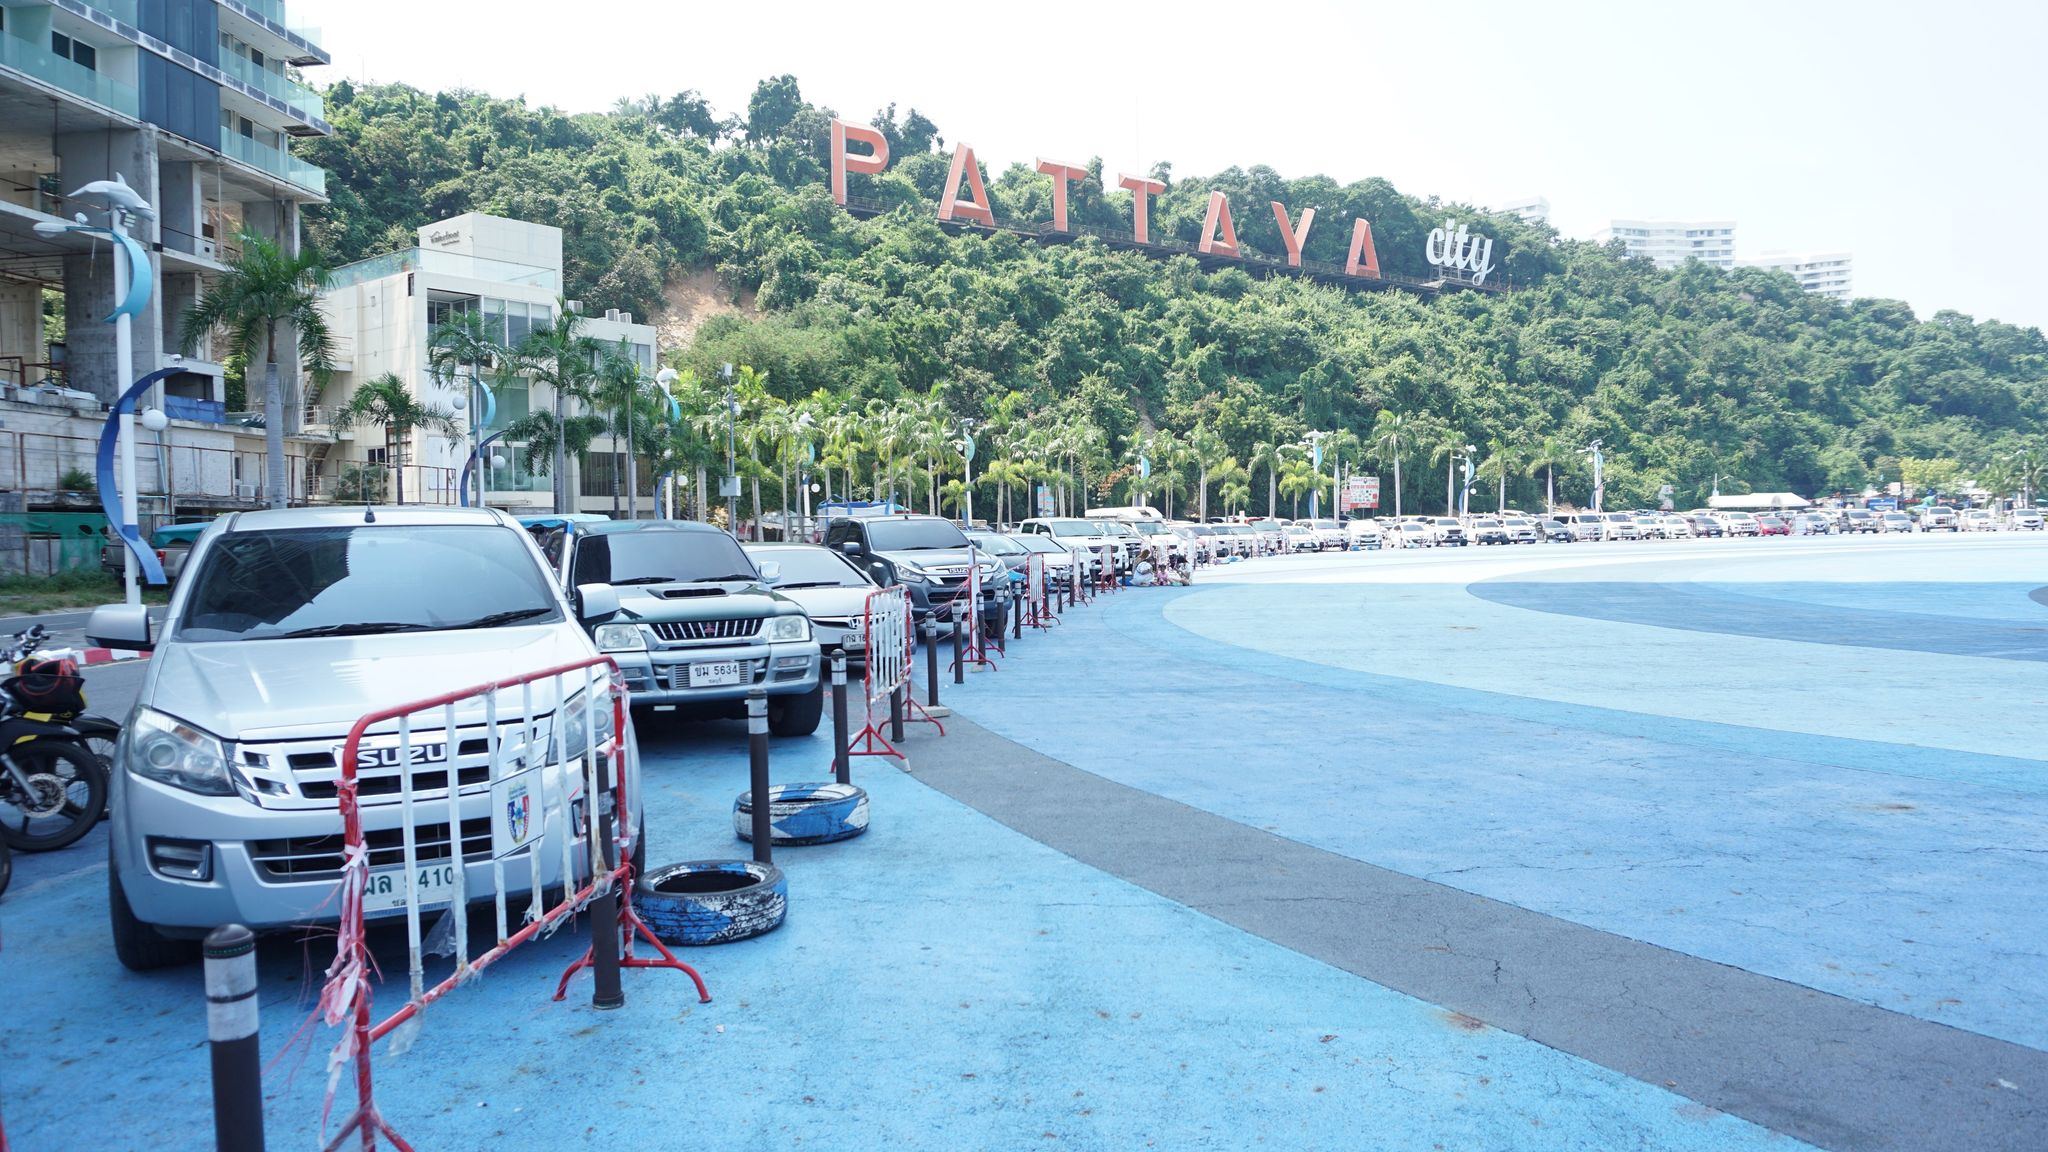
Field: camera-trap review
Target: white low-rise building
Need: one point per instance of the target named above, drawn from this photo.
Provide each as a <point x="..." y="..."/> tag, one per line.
<point x="1670" y="243"/>
<point x="384" y="310"/>
<point x="1821" y="273"/>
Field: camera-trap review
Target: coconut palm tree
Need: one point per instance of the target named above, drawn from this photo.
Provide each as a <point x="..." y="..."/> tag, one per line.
<point x="1506" y="453"/>
<point x="1394" y="435"/>
<point x="1447" y="445"/>
<point x="1269" y="455"/>
<point x="1207" y="451"/>
<point x="388" y="404"/>
<point x="263" y="290"/>
<point x="564" y="359"/>
<point x="1548" y="453"/>
<point x="1297" y="479"/>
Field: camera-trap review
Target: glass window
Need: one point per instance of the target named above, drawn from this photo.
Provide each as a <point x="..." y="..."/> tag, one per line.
<point x="659" y="555"/>
<point x="362" y="579"/>
<point x="913" y="535"/>
<point x="494" y="320"/>
<point x="518" y="322"/>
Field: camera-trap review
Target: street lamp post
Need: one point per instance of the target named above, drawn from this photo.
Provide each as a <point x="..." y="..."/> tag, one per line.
<point x="731" y="483"/>
<point x="131" y="272"/>
<point x="1465" y="488"/>
<point x="480" y="417"/>
<point x="967" y="481"/>
<point x="1599" y="481"/>
<point x="1315" y="490"/>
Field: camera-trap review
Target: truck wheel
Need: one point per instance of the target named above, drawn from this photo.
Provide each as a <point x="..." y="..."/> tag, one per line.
<point x="797" y="715"/>
<point x="711" y="901"/>
<point x="141" y="947"/>
<point x="805" y="813"/>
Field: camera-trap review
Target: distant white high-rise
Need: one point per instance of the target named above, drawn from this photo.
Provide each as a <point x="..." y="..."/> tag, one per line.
<point x="1821" y="273"/>
<point x="1669" y="243"/>
<point x="1536" y="209"/>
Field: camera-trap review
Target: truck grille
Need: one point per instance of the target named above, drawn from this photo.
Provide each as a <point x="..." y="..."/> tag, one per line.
<point x="741" y="629"/>
<point x="319" y="857"/>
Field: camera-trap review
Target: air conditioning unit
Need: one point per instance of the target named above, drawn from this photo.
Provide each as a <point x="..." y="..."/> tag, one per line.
<point x="245" y="490"/>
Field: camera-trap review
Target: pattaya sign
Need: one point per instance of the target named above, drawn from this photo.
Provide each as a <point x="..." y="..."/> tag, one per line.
<point x="1452" y="247"/>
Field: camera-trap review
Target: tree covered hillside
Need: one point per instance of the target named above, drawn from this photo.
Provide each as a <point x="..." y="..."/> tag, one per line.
<point x="1075" y="358"/>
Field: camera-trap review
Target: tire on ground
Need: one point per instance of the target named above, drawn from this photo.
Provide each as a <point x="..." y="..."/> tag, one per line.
<point x="806" y="813"/>
<point x="711" y="901"/>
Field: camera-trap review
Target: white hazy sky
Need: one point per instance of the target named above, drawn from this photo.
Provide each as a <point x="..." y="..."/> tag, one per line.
<point x="1909" y="135"/>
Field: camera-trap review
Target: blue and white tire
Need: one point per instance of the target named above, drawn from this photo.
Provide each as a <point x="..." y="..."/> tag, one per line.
<point x="711" y="901"/>
<point x="806" y="813"/>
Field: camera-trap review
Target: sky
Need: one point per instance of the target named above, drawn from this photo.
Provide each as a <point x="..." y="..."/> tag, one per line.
<point x="1908" y="135"/>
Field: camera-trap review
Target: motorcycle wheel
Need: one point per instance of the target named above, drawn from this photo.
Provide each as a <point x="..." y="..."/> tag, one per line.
<point x="70" y="792"/>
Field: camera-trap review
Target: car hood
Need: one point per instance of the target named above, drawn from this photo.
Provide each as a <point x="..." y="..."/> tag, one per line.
<point x="835" y="603"/>
<point x="319" y="686"/>
<point x="947" y="561"/>
<point x="723" y="600"/>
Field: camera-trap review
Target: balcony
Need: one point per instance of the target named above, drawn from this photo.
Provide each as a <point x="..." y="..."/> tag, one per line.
<point x="299" y="96"/>
<point x="296" y="43"/>
<point x="40" y="64"/>
<point x="280" y="164"/>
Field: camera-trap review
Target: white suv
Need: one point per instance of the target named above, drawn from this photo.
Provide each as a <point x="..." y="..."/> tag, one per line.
<point x="1079" y="534"/>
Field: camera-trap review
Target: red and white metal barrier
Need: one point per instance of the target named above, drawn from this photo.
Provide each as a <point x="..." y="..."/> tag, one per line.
<point x="885" y="629"/>
<point x="1108" y="573"/>
<point x="532" y="761"/>
<point x="975" y="654"/>
<point x="1037" y="612"/>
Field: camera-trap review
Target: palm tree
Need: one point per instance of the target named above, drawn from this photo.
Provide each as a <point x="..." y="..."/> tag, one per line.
<point x="1394" y="435"/>
<point x="1233" y="485"/>
<point x="1506" y="454"/>
<point x="564" y="359"/>
<point x="1206" y="450"/>
<point x="1447" y="445"/>
<point x="1546" y="456"/>
<point x="388" y="404"/>
<point x="1296" y="480"/>
<point x="263" y="290"/>
<point x="1269" y="454"/>
<point x="546" y="440"/>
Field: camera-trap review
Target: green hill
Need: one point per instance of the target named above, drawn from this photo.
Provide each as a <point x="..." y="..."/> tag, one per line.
<point x="1078" y="357"/>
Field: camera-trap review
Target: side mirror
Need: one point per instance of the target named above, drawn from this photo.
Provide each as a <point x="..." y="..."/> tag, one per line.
<point x="123" y="626"/>
<point x="771" y="571"/>
<point x="596" y="602"/>
<point x="851" y="547"/>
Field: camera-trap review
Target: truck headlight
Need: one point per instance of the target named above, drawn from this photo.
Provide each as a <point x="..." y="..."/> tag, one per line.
<point x="787" y="630"/>
<point x="576" y="724"/>
<point x="619" y="638"/>
<point x="169" y="751"/>
<point x="911" y="575"/>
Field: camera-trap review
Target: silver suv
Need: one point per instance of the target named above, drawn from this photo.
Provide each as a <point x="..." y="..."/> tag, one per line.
<point x="288" y="627"/>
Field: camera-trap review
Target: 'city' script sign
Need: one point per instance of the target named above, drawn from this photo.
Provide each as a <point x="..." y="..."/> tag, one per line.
<point x="1451" y="247"/>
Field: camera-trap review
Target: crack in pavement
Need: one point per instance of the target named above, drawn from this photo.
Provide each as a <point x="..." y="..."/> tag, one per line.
<point x="1767" y="1050"/>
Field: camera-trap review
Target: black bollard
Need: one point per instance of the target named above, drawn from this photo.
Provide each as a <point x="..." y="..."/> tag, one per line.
<point x="230" y="952"/>
<point x="931" y="662"/>
<point x="959" y="646"/>
<point x="841" y="769"/>
<point x="896" y="695"/>
<point x="757" y="756"/>
<point x="1016" y="613"/>
<point x="604" y="927"/>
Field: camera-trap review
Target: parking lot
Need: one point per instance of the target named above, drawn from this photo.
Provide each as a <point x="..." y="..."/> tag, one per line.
<point x="1693" y="844"/>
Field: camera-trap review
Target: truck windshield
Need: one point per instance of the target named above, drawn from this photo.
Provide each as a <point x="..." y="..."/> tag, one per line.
<point x="913" y="535"/>
<point x="359" y="580"/>
<point x="659" y="556"/>
<point x="1076" y="528"/>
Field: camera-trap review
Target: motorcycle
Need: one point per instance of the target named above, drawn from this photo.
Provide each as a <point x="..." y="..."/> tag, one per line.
<point x="53" y="784"/>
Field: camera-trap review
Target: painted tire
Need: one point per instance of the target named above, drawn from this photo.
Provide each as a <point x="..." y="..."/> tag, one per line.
<point x="711" y="901"/>
<point x="805" y="813"/>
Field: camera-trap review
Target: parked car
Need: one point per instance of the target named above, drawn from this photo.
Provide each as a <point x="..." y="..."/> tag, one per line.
<point x="1672" y="526"/>
<point x="1811" y="524"/>
<point x="1737" y="523"/>
<point x="1935" y="518"/>
<point x="2025" y="519"/>
<point x="1329" y="534"/>
<point x="1704" y="523"/>
<point x="831" y="589"/>
<point x="1059" y="563"/>
<point x="1854" y="520"/>
<point x="1363" y="535"/>
<point x="1895" y="522"/>
<point x="1521" y="529"/>
<point x="1772" y="526"/>
<point x="927" y="555"/>
<point x="698" y="624"/>
<point x="1448" y="531"/>
<point x="1554" y="530"/>
<point x="172" y="544"/>
<point x="1646" y="526"/>
<point x="1414" y="534"/>
<point x="1586" y="525"/>
<point x="1977" y="520"/>
<point x="1487" y="530"/>
<point x="1211" y="544"/>
<point x="1302" y="538"/>
<point x="288" y="628"/>
<point x="1619" y="526"/>
<point x="1007" y="550"/>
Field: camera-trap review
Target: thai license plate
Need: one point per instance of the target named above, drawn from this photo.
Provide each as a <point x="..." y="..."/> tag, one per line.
<point x="385" y="889"/>
<point x="715" y="673"/>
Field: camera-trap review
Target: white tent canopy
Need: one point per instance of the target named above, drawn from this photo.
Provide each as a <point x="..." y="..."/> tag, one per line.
<point x="1754" y="500"/>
